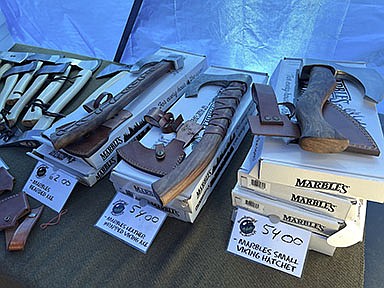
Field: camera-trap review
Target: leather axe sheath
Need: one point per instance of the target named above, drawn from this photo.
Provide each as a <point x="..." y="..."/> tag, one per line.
<point x="323" y="127"/>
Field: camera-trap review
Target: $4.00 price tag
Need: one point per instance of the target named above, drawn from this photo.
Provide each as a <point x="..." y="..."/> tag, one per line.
<point x="278" y="245"/>
<point x="131" y="221"/>
<point x="50" y="186"/>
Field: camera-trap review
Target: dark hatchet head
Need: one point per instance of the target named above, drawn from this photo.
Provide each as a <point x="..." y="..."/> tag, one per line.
<point x="368" y="79"/>
<point x="215" y="79"/>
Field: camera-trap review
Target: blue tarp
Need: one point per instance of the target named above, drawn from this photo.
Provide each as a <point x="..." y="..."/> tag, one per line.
<point x="246" y="34"/>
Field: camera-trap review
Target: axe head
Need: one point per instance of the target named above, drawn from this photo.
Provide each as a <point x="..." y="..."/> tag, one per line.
<point x="44" y="57"/>
<point x="15" y="57"/>
<point x="215" y="79"/>
<point x="113" y="69"/>
<point x="371" y="81"/>
<point x="91" y="65"/>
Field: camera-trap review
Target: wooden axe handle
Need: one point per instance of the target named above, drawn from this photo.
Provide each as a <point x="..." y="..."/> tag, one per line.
<point x="317" y="135"/>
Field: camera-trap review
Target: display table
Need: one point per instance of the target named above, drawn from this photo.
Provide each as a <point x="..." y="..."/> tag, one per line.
<point x="76" y="254"/>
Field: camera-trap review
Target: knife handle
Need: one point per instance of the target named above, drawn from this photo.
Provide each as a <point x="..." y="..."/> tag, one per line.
<point x="4" y="68"/>
<point x="317" y="135"/>
<point x="46" y="121"/>
<point x="35" y="113"/>
<point x="22" y="85"/>
<point x="18" y="107"/>
<point x="10" y="82"/>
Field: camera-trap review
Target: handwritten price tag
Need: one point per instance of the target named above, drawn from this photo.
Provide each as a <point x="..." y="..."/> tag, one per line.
<point x="50" y="186"/>
<point x="278" y="245"/>
<point x="131" y="221"/>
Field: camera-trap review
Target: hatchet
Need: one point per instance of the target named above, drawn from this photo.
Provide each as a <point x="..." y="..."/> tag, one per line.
<point x="16" y="137"/>
<point x="26" y="78"/>
<point x="322" y="125"/>
<point x="234" y="87"/>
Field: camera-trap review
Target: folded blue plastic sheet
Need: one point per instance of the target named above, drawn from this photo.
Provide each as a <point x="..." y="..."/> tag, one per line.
<point x="247" y="34"/>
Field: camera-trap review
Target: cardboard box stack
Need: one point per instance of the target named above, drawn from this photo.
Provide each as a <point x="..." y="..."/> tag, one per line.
<point x="324" y="193"/>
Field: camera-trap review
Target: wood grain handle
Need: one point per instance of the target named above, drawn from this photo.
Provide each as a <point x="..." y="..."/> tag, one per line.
<point x="4" y="68"/>
<point x="46" y="121"/>
<point x="35" y="113"/>
<point x="10" y="82"/>
<point x="23" y="101"/>
<point x="317" y="135"/>
<point x="22" y="85"/>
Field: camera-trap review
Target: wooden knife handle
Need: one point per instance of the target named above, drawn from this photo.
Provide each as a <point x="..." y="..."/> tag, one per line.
<point x="22" y="85"/>
<point x="4" y="68"/>
<point x="317" y="135"/>
<point x="10" y="82"/>
<point x="34" y="114"/>
<point x="46" y="121"/>
<point x="23" y="101"/>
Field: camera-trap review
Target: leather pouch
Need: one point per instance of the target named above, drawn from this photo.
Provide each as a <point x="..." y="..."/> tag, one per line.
<point x="12" y="208"/>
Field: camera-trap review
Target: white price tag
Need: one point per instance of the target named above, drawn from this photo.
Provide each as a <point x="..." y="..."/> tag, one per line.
<point x="278" y="245"/>
<point x="50" y="186"/>
<point x="131" y="221"/>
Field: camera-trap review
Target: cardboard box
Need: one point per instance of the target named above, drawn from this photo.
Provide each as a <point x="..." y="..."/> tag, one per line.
<point x="303" y="218"/>
<point x="128" y="179"/>
<point x="166" y="91"/>
<point x="344" y="174"/>
<point x="323" y="203"/>
<point x="350" y="232"/>
<point x="80" y="169"/>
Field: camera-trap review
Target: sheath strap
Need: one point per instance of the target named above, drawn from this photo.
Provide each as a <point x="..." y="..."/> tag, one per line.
<point x="16" y="237"/>
<point x="6" y="180"/>
<point x="164" y="120"/>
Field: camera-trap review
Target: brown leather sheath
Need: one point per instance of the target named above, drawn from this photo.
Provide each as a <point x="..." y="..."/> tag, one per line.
<point x="360" y="141"/>
<point x="6" y="180"/>
<point x="91" y="143"/>
<point x="159" y="161"/>
<point x="12" y="208"/>
<point x="16" y="237"/>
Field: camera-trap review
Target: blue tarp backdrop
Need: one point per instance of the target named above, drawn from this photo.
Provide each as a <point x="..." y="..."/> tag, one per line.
<point x="246" y="34"/>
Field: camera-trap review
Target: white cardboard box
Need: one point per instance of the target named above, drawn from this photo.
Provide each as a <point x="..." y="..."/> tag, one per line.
<point x="303" y="218"/>
<point x="166" y="91"/>
<point x="128" y="179"/>
<point x="327" y="204"/>
<point x="350" y="233"/>
<point x="346" y="174"/>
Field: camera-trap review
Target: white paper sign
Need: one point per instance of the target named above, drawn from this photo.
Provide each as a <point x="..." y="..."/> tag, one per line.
<point x="133" y="222"/>
<point x="278" y="245"/>
<point x="50" y="186"/>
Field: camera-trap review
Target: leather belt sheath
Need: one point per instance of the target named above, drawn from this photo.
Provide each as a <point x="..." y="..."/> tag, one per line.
<point x="17" y="220"/>
<point x="6" y="181"/>
<point x="270" y="122"/>
<point x="163" y="158"/>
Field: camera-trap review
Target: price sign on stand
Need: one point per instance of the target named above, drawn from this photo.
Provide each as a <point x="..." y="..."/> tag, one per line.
<point x="133" y="222"/>
<point x="278" y="245"/>
<point x="50" y="186"/>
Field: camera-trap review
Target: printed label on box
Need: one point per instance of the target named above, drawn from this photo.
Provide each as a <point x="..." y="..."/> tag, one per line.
<point x="131" y="221"/>
<point x="277" y="245"/>
<point x="50" y="186"/>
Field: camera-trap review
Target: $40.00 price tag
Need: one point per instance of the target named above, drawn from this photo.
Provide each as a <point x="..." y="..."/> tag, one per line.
<point x="50" y="186"/>
<point x="278" y="245"/>
<point x="131" y="221"/>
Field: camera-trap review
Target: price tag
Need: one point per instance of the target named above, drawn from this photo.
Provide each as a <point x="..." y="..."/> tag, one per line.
<point x="278" y="245"/>
<point x="50" y="186"/>
<point x="134" y="222"/>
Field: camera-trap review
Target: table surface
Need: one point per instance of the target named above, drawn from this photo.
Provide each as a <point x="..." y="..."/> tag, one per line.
<point x="76" y="254"/>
